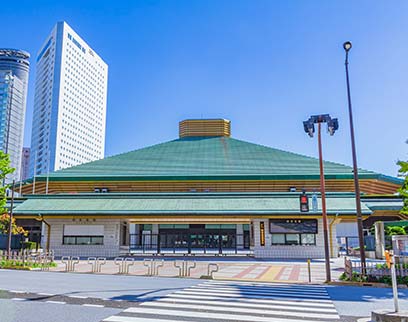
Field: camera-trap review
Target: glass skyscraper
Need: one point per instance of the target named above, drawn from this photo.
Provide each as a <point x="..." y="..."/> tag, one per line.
<point x="69" y="104"/>
<point x="14" y="69"/>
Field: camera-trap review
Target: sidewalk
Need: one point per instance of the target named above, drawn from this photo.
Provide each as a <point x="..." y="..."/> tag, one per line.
<point x="229" y="269"/>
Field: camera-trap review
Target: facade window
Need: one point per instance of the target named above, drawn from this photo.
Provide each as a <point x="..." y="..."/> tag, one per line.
<point x="293" y="231"/>
<point x="83" y="235"/>
<point x="83" y="240"/>
<point x="294" y="239"/>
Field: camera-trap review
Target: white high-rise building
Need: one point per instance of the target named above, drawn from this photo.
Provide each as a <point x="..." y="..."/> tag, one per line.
<point x="70" y="103"/>
<point x="14" y="69"/>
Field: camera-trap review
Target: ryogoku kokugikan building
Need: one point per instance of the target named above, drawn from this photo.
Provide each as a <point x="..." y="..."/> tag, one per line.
<point x="202" y="193"/>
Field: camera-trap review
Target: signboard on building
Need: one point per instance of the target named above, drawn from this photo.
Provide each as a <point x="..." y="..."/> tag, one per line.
<point x="262" y="233"/>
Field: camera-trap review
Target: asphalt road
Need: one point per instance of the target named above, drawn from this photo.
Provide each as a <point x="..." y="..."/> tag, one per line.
<point x="114" y="287"/>
<point x="55" y="297"/>
<point x="18" y="311"/>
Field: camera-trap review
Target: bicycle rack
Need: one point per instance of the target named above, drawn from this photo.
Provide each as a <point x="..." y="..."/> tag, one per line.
<point x="99" y="262"/>
<point x="92" y="262"/>
<point x="124" y="264"/>
<point x="149" y="264"/>
<point x="153" y="266"/>
<point x="211" y="271"/>
<point x="70" y="262"/>
<point x="156" y="265"/>
<point x="184" y="268"/>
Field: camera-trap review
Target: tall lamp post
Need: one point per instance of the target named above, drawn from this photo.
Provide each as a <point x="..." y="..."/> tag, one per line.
<point x="347" y="47"/>
<point x="10" y="229"/>
<point x="332" y="126"/>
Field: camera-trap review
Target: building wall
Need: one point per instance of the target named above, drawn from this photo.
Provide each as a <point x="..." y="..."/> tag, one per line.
<point x="110" y="248"/>
<point x="14" y="69"/>
<point x="70" y="103"/>
<point x="290" y="251"/>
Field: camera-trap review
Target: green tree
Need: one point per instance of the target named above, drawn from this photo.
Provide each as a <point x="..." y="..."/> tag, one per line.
<point x="5" y="169"/>
<point x="404" y="189"/>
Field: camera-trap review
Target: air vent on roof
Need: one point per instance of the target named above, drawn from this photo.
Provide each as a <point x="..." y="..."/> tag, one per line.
<point x="203" y="128"/>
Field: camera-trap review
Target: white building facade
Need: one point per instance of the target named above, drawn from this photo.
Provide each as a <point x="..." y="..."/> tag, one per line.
<point x="70" y="103"/>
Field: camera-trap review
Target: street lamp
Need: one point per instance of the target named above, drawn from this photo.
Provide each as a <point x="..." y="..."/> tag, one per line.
<point x="347" y="46"/>
<point x="10" y="229"/>
<point x="332" y="126"/>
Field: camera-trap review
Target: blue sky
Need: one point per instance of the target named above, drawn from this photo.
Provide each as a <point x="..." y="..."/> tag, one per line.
<point x="265" y="65"/>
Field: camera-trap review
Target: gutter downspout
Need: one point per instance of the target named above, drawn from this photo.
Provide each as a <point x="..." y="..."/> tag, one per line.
<point x="47" y="245"/>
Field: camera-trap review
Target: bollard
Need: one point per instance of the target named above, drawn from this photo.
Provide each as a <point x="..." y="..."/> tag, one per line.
<point x="309" y="271"/>
<point x="211" y="271"/>
<point x="394" y="284"/>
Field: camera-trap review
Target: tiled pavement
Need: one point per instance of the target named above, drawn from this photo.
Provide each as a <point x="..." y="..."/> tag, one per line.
<point x="288" y="272"/>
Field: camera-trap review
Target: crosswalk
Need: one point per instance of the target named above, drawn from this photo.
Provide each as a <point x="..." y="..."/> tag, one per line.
<point x="236" y="301"/>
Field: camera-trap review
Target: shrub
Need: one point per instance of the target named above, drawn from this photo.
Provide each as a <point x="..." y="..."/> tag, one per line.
<point x="29" y="245"/>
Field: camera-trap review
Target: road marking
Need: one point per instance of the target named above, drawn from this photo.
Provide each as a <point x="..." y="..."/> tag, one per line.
<point x="17" y="292"/>
<point x="93" y="305"/>
<point x="264" y="290"/>
<point x="251" y="300"/>
<point x="55" y="302"/>
<point x="210" y="316"/>
<point x="46" y="294"/>
<point x="252" y="305"/>
<point x="264" y="311"/>
<point x="239" y="294"/>
<point x="18" y="299"/>
<point x="78" y="296"/>
<point x="300" y="288"/>
<point x="228" y="301"/>
<point x="118" y="318"/>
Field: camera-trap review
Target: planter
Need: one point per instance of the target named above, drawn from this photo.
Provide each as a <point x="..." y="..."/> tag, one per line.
<point x="21" y="268"/>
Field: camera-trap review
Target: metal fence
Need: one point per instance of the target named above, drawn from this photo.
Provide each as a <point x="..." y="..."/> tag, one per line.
<point x="168" y="243"/>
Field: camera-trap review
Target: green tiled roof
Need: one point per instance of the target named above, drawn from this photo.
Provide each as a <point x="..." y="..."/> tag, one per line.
<point x="206" y="158"/>
<point x="178" y="204"/>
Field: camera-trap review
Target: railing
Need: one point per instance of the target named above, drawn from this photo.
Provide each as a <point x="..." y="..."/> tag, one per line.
<point x="168" y="243"/>
<point x="373" y="268"/>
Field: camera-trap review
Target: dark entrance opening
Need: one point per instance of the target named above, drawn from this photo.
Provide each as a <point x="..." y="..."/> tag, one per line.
<point x="192" y="239"/>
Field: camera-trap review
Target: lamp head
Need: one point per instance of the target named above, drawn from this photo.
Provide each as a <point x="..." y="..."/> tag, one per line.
<point x="347" y="46"/>
<point x="309" y="128"/>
